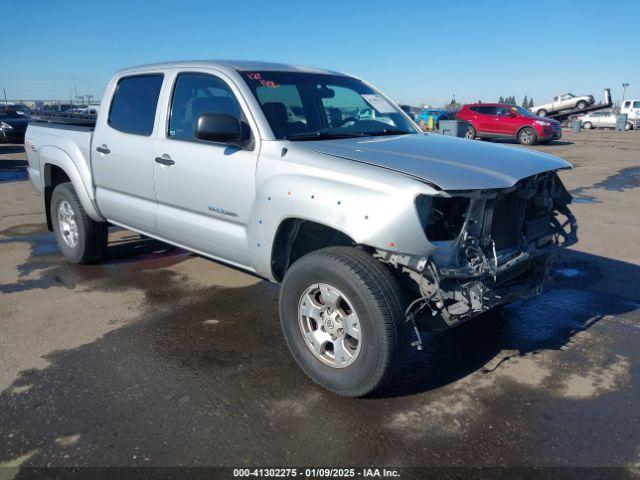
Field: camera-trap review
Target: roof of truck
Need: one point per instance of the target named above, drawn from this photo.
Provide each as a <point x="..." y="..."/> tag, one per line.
<point x="239" y="65"/>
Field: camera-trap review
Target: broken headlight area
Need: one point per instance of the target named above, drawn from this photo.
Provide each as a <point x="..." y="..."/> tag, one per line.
<point x="491" y="247"/>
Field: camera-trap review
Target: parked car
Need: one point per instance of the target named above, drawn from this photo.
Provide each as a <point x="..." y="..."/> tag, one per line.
<point x="365" y="225"/>
<point x="409" y="110"/>
<point x="601" y="119"/>
<point x="500" y="120"/>
<point x="20" y="109"/>
<point x="13" y="126"/>
<point x="437" y="114"/>
<point x="566" y="101"/>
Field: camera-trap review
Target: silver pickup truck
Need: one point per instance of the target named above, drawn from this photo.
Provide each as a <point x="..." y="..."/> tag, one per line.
<point x="375" y="229"/>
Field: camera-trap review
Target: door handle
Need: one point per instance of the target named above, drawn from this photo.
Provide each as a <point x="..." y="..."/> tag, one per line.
<point x="164" y="160"/>
<point x="103" y="149"/>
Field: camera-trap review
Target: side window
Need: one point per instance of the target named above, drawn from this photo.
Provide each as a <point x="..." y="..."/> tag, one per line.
<point x="195" y="94"/>
<point x="636" y="104"/>
<point x="133" y="107"/>
<point x="487" y="110"/>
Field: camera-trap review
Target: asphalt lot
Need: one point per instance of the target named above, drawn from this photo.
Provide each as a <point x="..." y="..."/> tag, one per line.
<point x="159" y="357"/>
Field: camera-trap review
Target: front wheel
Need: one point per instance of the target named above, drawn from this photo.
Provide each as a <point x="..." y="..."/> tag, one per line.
<point x="527" y="136"/>
<point x="541" y="113"/>
<point x="587" y="125"/>
<point x="628" y="126"/>
<point x="80" y="239"/>
<point x="342" y="316"/>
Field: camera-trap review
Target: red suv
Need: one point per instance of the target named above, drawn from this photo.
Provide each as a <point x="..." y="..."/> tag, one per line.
<point x="498" y="120"/>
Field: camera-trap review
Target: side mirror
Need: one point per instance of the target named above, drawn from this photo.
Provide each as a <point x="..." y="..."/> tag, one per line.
<point x="218" y="127"/>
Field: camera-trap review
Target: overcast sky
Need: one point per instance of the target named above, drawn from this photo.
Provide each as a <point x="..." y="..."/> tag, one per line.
<point x="418" y="51"/>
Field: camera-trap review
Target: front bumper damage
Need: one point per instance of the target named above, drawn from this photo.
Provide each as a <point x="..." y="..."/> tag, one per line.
<point x="492" y="247"/>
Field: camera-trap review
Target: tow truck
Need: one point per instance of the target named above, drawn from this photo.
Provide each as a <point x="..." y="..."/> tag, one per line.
<point x="564" y="116"/>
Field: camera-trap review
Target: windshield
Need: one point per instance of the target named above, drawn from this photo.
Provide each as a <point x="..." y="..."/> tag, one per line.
<point x="309" y="106"/>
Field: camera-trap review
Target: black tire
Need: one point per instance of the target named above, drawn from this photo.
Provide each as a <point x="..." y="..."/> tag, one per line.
<point x="92" y="236"/>
<point x="541" y="113"/>
<point x="587" y="125"/>
<point x="628" y="126"/>
<point x="378" y="303"/>
<point x="471" y="133"/>
<point x="527" y="136"/>
<point x="581" y="105"/>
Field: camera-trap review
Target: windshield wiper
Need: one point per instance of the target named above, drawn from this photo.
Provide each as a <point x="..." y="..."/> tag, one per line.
<point x="388" y="131"/>
<point x="321" y="135"/>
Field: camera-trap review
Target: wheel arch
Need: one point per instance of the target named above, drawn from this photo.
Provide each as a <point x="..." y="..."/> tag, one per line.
<point x="296" y="237"/>
<point x="527" y="126"/>
<point x="58" y="167"/>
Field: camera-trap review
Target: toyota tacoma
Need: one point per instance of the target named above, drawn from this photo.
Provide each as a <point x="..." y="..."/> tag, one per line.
<point x="375" y="229"/>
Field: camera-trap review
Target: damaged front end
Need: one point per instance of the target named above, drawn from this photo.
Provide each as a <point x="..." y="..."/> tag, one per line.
<point x="491" y="247"/>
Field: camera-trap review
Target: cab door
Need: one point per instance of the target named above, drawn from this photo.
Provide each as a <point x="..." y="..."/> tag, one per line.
<point x="205" y="190"/>
<point x="122" y="156"/>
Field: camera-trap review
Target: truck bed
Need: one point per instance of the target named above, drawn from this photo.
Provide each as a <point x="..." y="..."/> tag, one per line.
<point x="62" y="144"/>
<point x="66" y="124"/>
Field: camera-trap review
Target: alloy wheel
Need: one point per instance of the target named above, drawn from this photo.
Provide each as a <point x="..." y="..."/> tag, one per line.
<point x="67" y="224"/>
<point x="329" y="325"/>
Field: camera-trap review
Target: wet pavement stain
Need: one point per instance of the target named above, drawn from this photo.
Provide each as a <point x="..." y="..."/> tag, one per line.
<point x="176" y="387"/>
<point x="625" y="179"/>
<point x="46" y="260"/>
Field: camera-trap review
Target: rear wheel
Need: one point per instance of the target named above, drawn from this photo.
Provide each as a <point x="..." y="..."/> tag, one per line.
<point x="587" y="125"/>
<point x="471" y="132"/>
<point x="527" y="136"/>
<point x="582" y="104"/>
<point x="80" y="239"/>
<point x="342" y="316"/>
<point x="628" y="126"/>
<point x="541" y="113"/>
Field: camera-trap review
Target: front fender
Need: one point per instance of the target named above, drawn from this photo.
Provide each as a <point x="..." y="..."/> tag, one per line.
<point x="371" y="213"/>
<point x="51" y="155"/>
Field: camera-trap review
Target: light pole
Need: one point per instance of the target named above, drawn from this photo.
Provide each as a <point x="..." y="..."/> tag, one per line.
<point x="624" y="90"/>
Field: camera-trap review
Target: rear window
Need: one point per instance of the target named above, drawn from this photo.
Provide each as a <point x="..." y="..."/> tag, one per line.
<point x="133" y="108"/>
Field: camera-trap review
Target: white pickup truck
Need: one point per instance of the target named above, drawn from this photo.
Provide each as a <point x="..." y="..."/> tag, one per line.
<point x="565" y="101"/>
<point x="368" y="223"/>
<point x="632" y="109"/>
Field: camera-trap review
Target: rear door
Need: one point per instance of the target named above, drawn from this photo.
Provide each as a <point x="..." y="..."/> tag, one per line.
<point x="205" y="190"/>
<point x="487" y="119"/>
<point x="122" y="156"/>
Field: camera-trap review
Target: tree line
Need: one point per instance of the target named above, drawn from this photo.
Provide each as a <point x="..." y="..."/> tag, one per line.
<point x="526" y="103"/>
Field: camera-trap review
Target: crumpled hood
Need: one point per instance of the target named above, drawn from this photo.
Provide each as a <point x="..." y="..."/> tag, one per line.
<point x="449" y="163"/>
